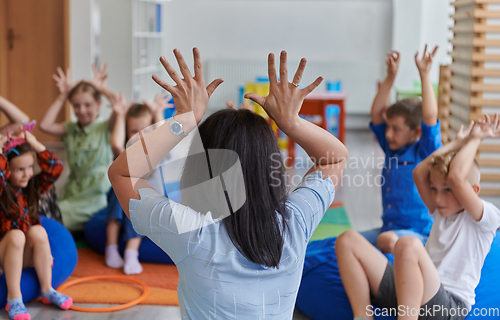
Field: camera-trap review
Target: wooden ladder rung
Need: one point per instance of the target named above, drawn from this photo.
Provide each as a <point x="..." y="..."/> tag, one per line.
<point x="489" y="162"/>
<point x="460" y="3"/>
<point x="489" y="192"/>
<point x="490" y="177"/>
<point x="475" y="57"/>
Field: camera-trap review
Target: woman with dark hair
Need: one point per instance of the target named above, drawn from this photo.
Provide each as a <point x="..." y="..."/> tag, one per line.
<point x="238" y="239"/>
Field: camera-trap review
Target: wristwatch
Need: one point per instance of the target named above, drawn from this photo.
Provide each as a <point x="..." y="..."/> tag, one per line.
<point x="176" y="127"/>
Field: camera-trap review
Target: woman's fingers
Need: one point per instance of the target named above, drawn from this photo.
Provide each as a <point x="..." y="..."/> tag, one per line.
<point x="213" y="85"/>
<point x="283" y="68"/>
<point x="170" y="70"/>
<point x="312" y="86"/>
<point x="164" y="84"/>
<point x="300" y="71"/>
<point x="256" y="98"/>
<point x="271" y="70"/>
<point x="182" y="65"/>
<point x="198" y="68"/>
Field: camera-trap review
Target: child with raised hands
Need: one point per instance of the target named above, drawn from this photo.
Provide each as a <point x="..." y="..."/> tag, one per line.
<point x="23" y="241"/>
<point x="436" y="281"/>
<point x="88" y="148"/>
<point x="407" y="131"/>
<point x="130" y="119"/>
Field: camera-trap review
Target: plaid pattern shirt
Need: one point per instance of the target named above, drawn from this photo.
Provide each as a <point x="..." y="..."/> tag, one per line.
<point x="51" y="169"/>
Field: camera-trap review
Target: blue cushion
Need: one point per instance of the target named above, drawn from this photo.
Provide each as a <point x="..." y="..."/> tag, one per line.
<point x="63" y="250"/>
<point x="321" y="292"/>
<point x="95" y="236"/>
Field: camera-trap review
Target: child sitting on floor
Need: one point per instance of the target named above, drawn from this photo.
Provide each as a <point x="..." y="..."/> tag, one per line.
<point x="408" y="132"/>
<point x="87" y="145"/>
<point x="130" y="119"/>
<point x="24" y="241"/>
<point x="438" y="281"/>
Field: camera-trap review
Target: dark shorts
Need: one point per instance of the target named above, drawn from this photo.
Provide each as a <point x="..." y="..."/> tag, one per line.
<point x="443" y="306"/>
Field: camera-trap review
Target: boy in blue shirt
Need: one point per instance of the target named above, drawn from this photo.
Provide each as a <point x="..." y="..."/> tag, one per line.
<point x="408" y="132"/>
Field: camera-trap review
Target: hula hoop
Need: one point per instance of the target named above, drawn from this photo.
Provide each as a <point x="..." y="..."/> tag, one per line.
<point x="132" y="303"/>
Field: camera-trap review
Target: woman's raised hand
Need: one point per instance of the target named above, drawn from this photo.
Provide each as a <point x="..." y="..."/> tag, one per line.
<point x="285" y="99"/>
<point x="190" y="93"/>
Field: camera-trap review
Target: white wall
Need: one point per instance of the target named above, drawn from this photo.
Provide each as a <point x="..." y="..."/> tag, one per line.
<point x="351" y="30"/>
<point x="417" y="22"/>
<point x="80" y="39"/>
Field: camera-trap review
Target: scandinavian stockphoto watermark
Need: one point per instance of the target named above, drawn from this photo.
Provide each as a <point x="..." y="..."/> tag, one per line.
<point x="359" y="171"/>
<point x="211" y="181"/>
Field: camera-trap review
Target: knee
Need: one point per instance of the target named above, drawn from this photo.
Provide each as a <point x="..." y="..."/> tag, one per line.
<point x="16" y="238"/>
<point x="386" y="241"/>
<point x="407" y="247"/>
<point x="37" y="234"/>
<point x="347" y="239"/>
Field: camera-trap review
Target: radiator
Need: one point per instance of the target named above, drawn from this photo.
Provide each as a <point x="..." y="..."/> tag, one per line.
<point x="359" y="79"/>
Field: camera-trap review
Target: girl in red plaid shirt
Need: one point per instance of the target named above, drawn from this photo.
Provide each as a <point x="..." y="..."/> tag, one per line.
<point x="23" y="241"/>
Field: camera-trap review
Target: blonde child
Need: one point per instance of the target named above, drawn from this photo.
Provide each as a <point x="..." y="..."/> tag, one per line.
<point x="130" y="119"/>
<point x="438" y="281"/>
<point x="87" y="145"/>
<point x="24" y="241"/>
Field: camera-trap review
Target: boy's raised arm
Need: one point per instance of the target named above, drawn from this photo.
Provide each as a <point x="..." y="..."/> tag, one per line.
<point x="429" y="104"/>
<point x="380" y="103"/>
<point x="461" y="165"/>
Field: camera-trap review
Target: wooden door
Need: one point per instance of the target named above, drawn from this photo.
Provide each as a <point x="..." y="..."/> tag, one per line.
<point x="34" y="43"/>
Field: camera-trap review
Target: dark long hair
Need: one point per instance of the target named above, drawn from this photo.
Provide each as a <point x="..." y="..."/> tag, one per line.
<point x="9" y="201"/>
<point x="259" y="227"/>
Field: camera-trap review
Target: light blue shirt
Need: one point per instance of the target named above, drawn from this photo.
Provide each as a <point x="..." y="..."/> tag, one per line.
<point x="215" y="280"/>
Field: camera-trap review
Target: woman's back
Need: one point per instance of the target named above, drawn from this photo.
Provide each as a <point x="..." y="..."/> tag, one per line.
<point x="216" y="280"/>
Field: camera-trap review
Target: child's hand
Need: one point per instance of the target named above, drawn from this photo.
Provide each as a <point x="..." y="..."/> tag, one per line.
<point x="486" y="128"/>
<point x="159" y="103"/>
<point x="463" y="134"/>
<point x="119" y="104"/>
<point x="100" y="75"/>
<point x="63" y="81"/>
<point x="392" y="63"/>
<point x="424" y="65"/>
<point x="243" y="106"/>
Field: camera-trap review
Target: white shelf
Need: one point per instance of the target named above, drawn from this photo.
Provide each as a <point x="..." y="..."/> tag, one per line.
<point x="147" y="69"/>
<point x="148" y="35"/>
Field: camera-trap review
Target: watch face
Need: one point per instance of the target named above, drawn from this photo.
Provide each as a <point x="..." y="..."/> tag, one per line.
<point x="176" y="128"/>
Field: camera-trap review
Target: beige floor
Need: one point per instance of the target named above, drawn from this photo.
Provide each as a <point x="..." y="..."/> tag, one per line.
<point x="362" y="201"/>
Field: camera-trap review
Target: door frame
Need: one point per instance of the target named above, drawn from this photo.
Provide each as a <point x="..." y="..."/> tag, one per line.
<point x="4" y="85"/>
